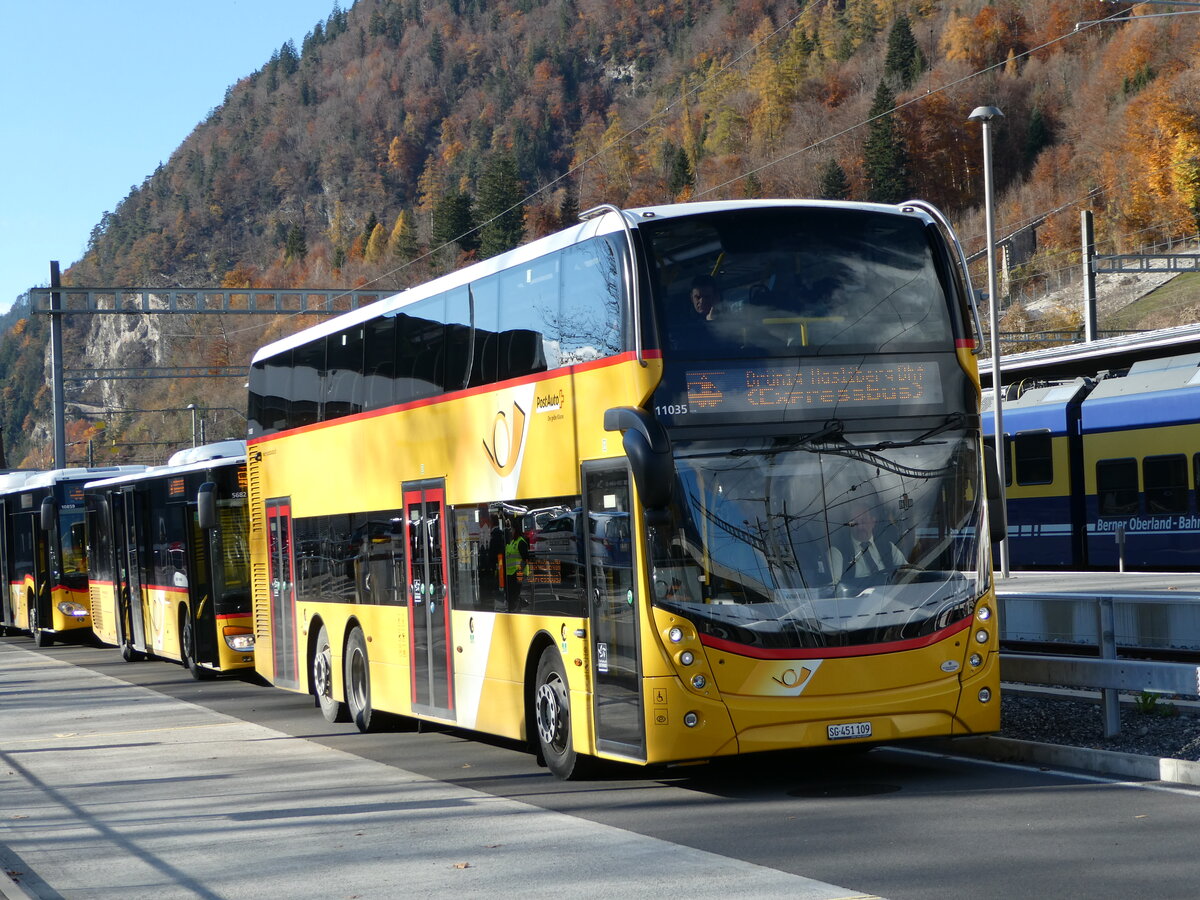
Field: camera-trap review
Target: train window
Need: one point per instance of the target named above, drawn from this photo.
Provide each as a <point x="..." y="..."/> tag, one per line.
<point x="1166" y="483"/>
<point x="1034" y="460"/>
<point x="1117" y="487"/>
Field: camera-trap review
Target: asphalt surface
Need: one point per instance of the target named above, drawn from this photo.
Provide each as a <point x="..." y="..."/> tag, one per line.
<point x="124" y="780"/>
<point x="111" y="790"/>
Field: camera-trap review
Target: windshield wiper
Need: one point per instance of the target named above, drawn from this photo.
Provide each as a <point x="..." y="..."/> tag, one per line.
<point x="830" y="429"/>
<point x="953" y="420"/>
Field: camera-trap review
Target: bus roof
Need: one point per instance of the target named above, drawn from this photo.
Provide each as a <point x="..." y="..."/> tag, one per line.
<point x="173" y="468"/>
<point x="80" y="473"/>
<point x="592" y="227"/>
<point x="15" y="479"/>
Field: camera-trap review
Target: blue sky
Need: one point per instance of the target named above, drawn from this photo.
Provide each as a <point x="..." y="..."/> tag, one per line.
<point x="94" y="94"/>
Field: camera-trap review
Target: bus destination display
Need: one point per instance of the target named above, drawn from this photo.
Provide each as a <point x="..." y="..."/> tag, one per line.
<point x="765" y="388"/>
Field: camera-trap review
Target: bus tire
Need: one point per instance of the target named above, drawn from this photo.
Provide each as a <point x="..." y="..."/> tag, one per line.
<point x="41" y="638"/>
<point x="552" y="715"/>
<point x="321" y="674"/>
<point x="187" y="645"/>
<point x="357" y="681"/>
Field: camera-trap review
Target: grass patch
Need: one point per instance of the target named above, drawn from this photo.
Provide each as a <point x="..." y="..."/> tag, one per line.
<point x="1175" y="303"/>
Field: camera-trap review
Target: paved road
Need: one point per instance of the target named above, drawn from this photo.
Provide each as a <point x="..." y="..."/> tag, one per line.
<point x="124" y="780"/>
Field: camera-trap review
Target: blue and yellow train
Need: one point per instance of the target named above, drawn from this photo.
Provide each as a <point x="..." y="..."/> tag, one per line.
<point x="1104" y="472"/>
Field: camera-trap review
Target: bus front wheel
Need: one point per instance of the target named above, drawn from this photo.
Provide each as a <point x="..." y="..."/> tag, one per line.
<point x="188" y="651"/>
<point x="358" y="681"/>
<point x="41" y="638"/>
<point x="552" y="713"/>
<point x="322" y="680"/>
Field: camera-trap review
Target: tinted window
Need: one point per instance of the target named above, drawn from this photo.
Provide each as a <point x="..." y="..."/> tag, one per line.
<point x="1117" y="487"/>
<point x="1034" y="461"/>
<point x="305" y="390"/>
<point x="342" y="384"/>
<point x="797" y="282"/>
<point x="379" y="363"/>
<point x="1166" y="483"/>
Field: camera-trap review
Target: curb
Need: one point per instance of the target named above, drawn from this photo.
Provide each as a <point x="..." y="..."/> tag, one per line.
<point x="1100" y="762"/>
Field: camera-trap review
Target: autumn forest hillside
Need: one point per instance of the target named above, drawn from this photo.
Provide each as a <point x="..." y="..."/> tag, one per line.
<point x="404" y="137"/>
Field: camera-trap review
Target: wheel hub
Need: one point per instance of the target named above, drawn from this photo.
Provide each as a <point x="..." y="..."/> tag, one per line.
<point x="549" y="715"/>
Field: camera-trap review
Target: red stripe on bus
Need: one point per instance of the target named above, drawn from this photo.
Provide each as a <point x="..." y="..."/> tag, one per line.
<point x="467" y="392"/>
<point x="834" y="652"/>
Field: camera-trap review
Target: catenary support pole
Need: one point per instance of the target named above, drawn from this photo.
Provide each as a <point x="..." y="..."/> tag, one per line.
<point x="1089" y="275"/>
<point x="56" y="369"/>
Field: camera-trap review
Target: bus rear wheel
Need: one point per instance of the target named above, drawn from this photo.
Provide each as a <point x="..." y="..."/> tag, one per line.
<point x="358" y="681"/>
<point x="552" y="714"/>
<point x="322" y="680"/>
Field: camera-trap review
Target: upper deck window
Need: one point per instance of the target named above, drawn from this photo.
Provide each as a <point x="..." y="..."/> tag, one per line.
<point x="797" y="281"/>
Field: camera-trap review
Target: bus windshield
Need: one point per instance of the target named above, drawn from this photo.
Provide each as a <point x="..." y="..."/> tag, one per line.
<point x="797" y="281"/>
<point x="859" y="540"/>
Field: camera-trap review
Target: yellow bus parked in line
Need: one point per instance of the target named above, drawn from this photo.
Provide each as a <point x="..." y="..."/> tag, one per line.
<point x="675" y="483"/>
<point x="43" y="551"/>
<point x="169" y="561"/>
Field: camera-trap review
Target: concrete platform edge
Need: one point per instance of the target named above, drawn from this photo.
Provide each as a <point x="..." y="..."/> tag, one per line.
<point x="1100" y="762"/>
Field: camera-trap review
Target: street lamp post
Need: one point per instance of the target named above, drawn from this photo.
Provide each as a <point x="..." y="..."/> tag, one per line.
<point x="984" y="115"/>
<point x="192" y="407"/>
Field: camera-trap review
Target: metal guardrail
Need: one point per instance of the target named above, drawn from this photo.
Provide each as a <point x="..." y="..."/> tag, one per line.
<point x="1109" y="674"/>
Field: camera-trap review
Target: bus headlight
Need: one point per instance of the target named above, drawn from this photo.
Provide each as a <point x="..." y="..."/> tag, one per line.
<point x="240" y="640"/>
<point x="699" y="681"/>
<point x="691" y="719"/>
<point x="675" y="634"/>
<point x="982" y="636"/>
<point x="72" y="609"/>
<point x="984" y="613"/>
<point x="687" y="657"/>
<point x="985" y="694"/>
<point x="976" y="660"/>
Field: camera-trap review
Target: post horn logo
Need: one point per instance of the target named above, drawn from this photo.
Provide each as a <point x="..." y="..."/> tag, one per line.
<point x="507" y="436"/>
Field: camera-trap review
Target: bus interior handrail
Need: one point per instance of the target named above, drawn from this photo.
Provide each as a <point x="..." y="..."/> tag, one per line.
<point x="635" y="295"/>
<point x="944" y="224"/>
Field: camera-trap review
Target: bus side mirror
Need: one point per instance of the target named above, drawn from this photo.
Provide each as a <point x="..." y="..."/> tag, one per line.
<point x="649" y="451"/>
<point x="206" y="505"/>
<point x="48" y="514"/>
<point x="997" y="514"/>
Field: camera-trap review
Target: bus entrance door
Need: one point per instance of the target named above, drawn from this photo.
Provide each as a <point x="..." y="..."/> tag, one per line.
<point x="429" y="592"/>
<point x="131" y="624"/>
<point x="614" y="604"/>
<point x="284" y="659"/>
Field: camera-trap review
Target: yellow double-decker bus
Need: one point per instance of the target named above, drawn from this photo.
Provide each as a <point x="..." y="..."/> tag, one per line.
<point x="675" y="483"/>
<point x="169" y="561"/>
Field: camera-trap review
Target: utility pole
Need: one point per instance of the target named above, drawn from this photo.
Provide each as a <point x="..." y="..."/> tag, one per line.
<point x="1089" y="275"/>
<point x="56" y="369"/>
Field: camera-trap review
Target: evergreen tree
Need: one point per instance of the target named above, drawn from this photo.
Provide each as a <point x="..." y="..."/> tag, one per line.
<point x="372" y="221"/>
<point x="568" y="211"/>
<point x="884" y="156"/>
<point x="289" y="59"/>
<point x="500" y="209"/>
<point x="681" y="176"/>
<point x="1038" y="137"/>
<point x="904" y="61"/>
<point x="454" y="221"/>
<point x="834" y="184"/>
<point x="296" y="246"/>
